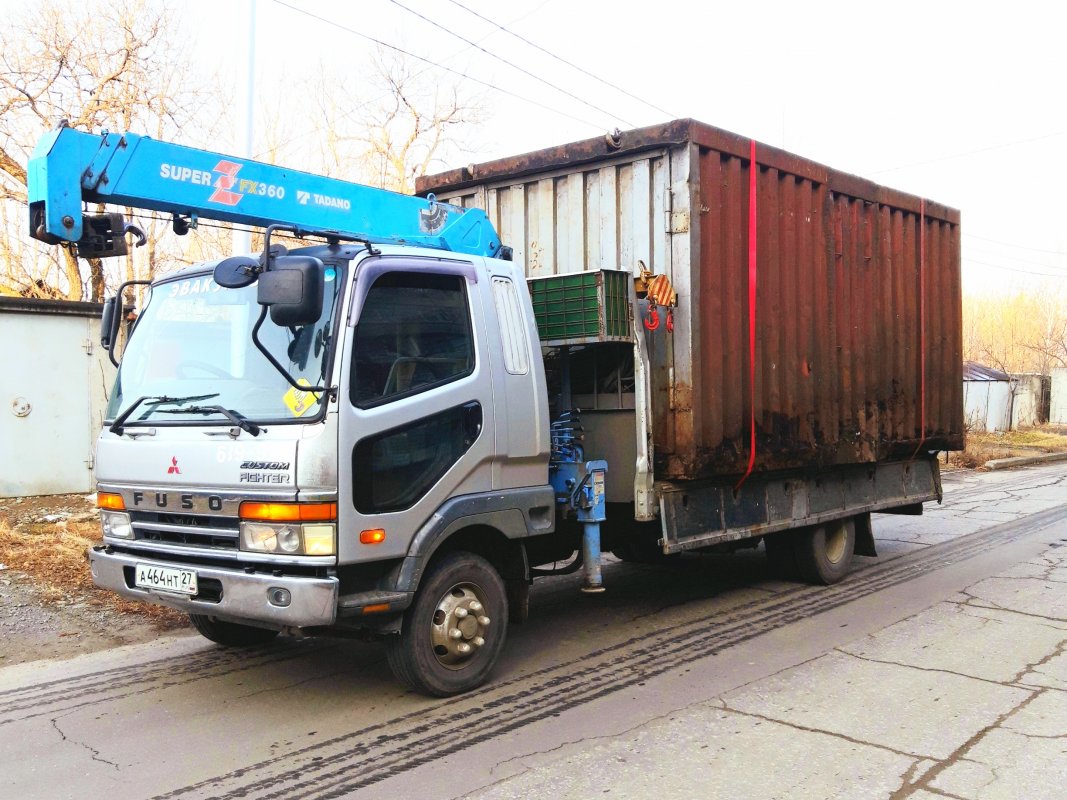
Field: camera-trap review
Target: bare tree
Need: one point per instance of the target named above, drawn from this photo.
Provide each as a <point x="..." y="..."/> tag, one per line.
<point x="115" y="65"/>
<point x="1020" y="332"/>
<point x="394" y="127"/>
<point x="1048" y="340"/>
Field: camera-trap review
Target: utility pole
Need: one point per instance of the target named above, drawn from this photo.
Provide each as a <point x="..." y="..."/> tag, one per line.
<point x="242" y="239"/>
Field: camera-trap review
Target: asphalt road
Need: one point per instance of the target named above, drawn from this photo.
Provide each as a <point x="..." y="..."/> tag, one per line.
<point x="591" y="689"/>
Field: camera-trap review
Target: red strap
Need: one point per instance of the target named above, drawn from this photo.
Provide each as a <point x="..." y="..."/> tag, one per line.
<point x="922" y="326"/>
<point x="753" y="171"/>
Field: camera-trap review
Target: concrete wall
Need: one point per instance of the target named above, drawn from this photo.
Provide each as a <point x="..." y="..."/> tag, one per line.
<point x="1058" y="405"/>
<point x="1030" y="406"/>
<point x="55" y="382"/>
<point x="987" y="405"/>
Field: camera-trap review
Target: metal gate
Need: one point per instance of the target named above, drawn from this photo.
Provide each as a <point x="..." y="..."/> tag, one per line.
<point x="54" y="383"/>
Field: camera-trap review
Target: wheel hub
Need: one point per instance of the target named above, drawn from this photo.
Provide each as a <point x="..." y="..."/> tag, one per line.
<point x="459" y="625"/>
<point x="836" y="539"/>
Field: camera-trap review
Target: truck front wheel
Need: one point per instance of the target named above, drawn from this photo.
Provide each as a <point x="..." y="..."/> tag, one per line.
<point x="230" y="634"/>
<point x="454" y="631"/>
<point x="824" y="552"/>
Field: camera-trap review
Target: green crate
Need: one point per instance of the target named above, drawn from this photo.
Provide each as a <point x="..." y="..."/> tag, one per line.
<point x="582" y="307"/>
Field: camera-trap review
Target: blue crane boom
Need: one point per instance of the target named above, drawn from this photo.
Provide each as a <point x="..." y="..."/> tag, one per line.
<point x="71" y="167"/>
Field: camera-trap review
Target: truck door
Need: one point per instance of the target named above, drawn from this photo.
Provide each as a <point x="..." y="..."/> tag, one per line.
<point x="416" y="412"/>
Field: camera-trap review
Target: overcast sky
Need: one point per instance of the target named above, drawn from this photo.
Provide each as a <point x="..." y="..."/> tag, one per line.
<point x="962" y="102"/>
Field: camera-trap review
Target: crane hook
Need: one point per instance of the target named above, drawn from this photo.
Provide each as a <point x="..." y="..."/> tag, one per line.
<point x="129" y="227"/>
<point x="652" y="320"/>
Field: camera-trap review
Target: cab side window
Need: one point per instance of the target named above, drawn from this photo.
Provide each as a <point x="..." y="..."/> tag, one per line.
<point x="414" y="334"/>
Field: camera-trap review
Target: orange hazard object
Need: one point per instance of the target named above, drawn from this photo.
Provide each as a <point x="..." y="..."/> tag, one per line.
<point x="660" y="291"/>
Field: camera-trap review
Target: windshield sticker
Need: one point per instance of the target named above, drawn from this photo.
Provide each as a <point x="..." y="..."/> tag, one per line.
<point x="193" y="286"/>
<point x="299" y="402"/>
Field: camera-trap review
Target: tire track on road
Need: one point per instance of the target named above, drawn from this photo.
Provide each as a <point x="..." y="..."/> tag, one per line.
<point x="60" y="696"/>
<point x="367" y="756"/>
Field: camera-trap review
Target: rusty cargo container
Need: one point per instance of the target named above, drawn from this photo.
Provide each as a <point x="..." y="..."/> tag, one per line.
<point x="857" y="336"/>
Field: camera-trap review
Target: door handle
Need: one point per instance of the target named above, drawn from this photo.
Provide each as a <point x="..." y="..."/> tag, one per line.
<point x="472" y="420"/>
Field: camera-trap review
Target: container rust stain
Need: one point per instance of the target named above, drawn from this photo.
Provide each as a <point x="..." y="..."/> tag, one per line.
<point x="839" y="370"/>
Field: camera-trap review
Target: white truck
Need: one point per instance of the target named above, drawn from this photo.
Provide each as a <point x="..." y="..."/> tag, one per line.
<point x="360" y="437"/>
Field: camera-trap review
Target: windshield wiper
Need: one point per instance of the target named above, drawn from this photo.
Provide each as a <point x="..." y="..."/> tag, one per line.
<point x="232" y="416"/>
<point x="120" y="420"/>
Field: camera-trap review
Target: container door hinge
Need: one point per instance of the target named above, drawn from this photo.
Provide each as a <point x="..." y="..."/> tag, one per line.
<point x="90" y="462"/>
<point x="679" y="222"/>
<point x="87" y="346"/>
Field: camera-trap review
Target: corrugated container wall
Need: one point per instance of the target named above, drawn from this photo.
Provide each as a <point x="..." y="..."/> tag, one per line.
<point x="847" y="369"/>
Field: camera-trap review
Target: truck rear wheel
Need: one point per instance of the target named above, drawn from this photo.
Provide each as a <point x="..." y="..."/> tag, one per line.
<point x="824" y="552"/>
<point x="639" y="551"/>
<point x="455" y="630"/>
<point x="230" y="634"/>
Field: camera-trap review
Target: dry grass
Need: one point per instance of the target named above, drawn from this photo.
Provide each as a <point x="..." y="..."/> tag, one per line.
<point x="53" y="555"/>
<point x="983" y="447"/>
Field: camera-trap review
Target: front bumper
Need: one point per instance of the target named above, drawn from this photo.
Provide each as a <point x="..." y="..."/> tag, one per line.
<point x="243" y="597"/>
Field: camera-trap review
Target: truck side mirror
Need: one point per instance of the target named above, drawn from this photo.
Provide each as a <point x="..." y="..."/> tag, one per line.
<point x="113" y="317"/>
<point x="293" y="288"/>
<point x="107" y="322"/>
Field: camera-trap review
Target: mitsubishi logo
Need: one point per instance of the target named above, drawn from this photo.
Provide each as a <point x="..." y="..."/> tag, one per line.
<point x="173" y="468"/>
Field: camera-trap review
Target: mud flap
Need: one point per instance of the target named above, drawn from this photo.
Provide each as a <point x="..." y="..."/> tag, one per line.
<point x="864" y="536"/>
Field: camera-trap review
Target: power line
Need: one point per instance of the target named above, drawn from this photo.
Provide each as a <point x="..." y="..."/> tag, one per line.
<point x="1014" y="269"/>
<point x="352" y="112"/>
<point x="570" y="64"/>
<point x="966" y="153"/>
<point x="1019" y="246"/>
<point x="526" y="72"/>
<point x="1014" y="258"/>
<point x="409" y="54"/>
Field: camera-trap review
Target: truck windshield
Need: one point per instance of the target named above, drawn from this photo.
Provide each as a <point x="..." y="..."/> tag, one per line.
<point x="195" y="338"/>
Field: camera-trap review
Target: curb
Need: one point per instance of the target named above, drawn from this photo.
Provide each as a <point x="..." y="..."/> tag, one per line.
<point x="1021" y="461"/>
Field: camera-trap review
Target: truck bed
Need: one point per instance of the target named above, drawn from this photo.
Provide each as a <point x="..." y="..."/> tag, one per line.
<point x="857" y="347"/>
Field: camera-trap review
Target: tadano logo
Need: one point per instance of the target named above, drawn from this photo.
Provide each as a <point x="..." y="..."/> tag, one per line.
<point x="322" y="200"/>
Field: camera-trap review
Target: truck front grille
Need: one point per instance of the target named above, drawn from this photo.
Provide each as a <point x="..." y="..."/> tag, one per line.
<point x="194" y="531"/>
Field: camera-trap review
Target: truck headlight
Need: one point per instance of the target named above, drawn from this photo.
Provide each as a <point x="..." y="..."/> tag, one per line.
<point x="289" y="538"/>
<point x="319" y="540"/>
<point x="116" y="525"/>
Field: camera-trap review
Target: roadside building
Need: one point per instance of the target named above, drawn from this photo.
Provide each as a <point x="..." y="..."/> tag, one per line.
<point x="1030" y="399"/>
<point x="987" y="398"/>
<point x="56" y="383"/>
<point x="1058" y="401"/>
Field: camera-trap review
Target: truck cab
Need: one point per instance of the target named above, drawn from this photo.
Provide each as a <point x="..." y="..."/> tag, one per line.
<point x="256" y="506"/>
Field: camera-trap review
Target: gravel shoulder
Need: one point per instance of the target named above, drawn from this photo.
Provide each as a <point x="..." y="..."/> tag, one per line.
<point x="35" y="624"/>
<point x="49" y="608"/>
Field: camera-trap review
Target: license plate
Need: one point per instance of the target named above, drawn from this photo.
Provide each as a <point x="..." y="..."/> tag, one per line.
<point x="165" y="579"/>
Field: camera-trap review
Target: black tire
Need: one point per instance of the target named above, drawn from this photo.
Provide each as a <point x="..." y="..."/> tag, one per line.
<point x="231" y="634"/>
<point x="458" y="592"/>
<point x="824" y="552"/>
<point x="639" y="551"/>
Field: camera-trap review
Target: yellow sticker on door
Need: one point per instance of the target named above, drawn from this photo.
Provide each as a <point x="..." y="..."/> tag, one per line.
<point x="299" y="400"/>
